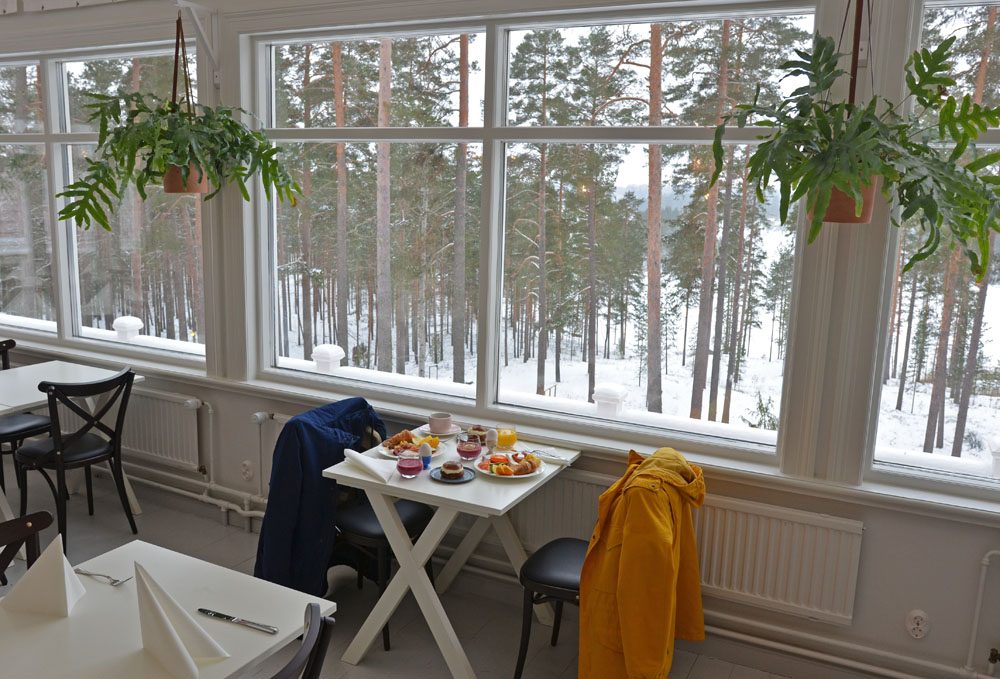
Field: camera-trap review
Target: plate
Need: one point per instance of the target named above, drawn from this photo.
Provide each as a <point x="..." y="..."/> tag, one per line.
<point x="486" y="472"/>
<point x="385" y="452"/>
<point x="466" y="477"/>
<point x="425" y="430"/>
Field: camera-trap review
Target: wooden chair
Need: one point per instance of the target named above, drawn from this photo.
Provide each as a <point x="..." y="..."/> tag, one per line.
<point x="81" y="448"/>
<point x="308" y="661"/>
<point x="22" y="531"/>
<point x="552" y="573"/>
<point x="14" y="429"/>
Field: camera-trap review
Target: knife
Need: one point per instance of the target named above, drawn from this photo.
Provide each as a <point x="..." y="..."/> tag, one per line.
<point x="239" y="621"/>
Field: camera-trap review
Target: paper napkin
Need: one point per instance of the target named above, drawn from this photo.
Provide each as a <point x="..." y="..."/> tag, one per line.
<point x="547" y="455"/>
<point x="50" y="586"/>
<point x="169" y="632"/>
<point x="379" y="469"/>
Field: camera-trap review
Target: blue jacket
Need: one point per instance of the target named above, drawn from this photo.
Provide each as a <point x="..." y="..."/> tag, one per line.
<point x="296" y="536"/>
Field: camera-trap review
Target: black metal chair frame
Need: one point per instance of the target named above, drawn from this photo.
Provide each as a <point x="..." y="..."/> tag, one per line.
<point x="120" y="387"/>
<point x="540" y="593"/>
<point x="22" y="531"/>
<point x="308" y="660"/>
<point x="375" y="548"/>
<point x="17" y="438"/>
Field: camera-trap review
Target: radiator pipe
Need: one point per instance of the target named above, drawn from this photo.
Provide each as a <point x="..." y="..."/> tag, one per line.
<point x="983" y="570"/>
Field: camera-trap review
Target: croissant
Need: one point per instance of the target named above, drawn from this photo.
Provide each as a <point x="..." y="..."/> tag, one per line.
<point x="404" y="435"/>
<point x="523" y="467"/>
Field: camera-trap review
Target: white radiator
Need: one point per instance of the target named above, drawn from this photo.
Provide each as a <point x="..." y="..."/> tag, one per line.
<point x="160" y="426"/>
<point x="795" y="562"/>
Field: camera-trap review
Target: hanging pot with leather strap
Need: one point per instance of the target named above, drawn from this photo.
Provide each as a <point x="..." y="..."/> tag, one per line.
<point x="173" y="178"/>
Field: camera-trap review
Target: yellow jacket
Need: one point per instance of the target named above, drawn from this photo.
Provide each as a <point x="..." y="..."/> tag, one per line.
<point x="640" y="585"/>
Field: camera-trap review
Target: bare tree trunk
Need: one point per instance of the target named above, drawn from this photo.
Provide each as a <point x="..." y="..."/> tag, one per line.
<point x="458" y="274"/>
<point x="898" y="304"/>
<point x="592" y="293"/>
<point x="383" y="338"/>
<point x="940" y="362"/>
<point x="342" y="284"/>
<point x="906" y="347"/>
<point x="654" y="243"/>
<point x="720" y="306"/>
<point x="543" y="331"/>
<point x="969" y="377"/>
<point x="708" y="251"/>
<point x="734" y="316"/>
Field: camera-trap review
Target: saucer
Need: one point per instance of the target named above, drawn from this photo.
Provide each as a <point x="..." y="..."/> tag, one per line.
<point x="425" y="430"/>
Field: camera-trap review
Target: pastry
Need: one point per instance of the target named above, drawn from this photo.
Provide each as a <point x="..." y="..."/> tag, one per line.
<point x="452" y="470"/>
<point x="478" y="431"/>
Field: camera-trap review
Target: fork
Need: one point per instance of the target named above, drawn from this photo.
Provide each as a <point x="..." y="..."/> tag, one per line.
<point x="114" y="582"/>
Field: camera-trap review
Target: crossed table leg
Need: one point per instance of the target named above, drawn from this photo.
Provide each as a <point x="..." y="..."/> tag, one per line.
<point x="412" y="577"/>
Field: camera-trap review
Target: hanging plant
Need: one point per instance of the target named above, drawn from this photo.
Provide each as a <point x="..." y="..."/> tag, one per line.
<point x="187" y="147"/>
<point x="820" y="147"/>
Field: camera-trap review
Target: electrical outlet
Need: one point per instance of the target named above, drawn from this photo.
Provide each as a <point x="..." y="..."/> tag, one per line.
<point x="246" y="469"/>
<point x="918" y="624"/>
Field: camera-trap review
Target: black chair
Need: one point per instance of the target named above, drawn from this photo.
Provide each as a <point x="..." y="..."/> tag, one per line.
<point x="308" y="660"/>
<point x="550" y="574"/>
<point x="358" y="527"/>
<point x="21" y="531"/>
<point x="14" y="429"/>
<point x="81" y="448"/>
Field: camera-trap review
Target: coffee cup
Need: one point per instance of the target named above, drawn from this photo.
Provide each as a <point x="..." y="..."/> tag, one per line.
<point x="439" y="423"/>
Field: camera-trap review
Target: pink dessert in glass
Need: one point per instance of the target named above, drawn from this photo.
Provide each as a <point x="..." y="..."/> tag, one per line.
<point x="409" y="464"/>
<point x="468" y="447"/>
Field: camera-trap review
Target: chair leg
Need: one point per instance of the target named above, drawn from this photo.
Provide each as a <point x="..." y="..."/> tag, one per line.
<point x="116" y="471"/>
<point x="555" y="624"/>
<point x="3" y="481"/>
<point x="382" y="557"/>
<point x="522" y="653"/>
<point x="90" y="489"/>
<point x="61" y="495"/>
<point x="22" y="484"/>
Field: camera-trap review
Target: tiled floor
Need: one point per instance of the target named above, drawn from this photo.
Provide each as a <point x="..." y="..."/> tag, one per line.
<point x="486" y="614"/>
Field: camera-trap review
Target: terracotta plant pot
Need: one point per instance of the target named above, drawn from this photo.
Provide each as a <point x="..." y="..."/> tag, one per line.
<point x="173" y="182"/>
<point x="842" y="207"/>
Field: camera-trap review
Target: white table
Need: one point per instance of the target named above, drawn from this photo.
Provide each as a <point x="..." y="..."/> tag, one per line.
<point x="487" y="498"/>
<point x="19" y="392"/>
<point x="100" y="639"/>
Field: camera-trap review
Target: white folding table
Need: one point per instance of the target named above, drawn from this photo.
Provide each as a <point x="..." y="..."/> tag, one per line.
<point x="101" y="640"/>
<point x="489" y="499"/>
<point x="19" y="392"/>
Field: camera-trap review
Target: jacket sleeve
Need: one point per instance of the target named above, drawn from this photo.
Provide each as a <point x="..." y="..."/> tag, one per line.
<point x="647" y="581"/>
<point x="277" y="531"/>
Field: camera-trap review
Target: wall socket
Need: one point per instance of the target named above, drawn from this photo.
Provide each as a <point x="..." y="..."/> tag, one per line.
<point x="918" y="624"/>
<point x="246" y="469"/>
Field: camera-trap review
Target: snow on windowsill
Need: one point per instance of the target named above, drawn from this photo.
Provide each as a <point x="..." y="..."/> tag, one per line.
<point x="148" y="341"/>
<point x="384" y="378"/>
<point x="971" y="466"/>
<point x="28" y="323"/>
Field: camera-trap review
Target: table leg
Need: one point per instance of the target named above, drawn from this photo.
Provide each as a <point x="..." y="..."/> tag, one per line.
<point x="411" y="577"/>
<point x="515" y="552"/>
<point x="461" y="554"/>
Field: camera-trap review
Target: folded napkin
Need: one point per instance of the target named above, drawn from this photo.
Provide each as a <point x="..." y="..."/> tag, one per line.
<point x="169" y="632"/>
<point x="50" y="586"/>
<point x="379" y="469"/>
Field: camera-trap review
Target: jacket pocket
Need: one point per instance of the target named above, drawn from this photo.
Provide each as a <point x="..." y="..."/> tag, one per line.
<point x="607" y="626"/>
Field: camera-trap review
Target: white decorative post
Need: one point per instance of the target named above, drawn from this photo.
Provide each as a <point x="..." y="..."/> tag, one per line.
<point x="327" y="357"/>
<point x="127" y="327"/>
<point x="610" y="399"/>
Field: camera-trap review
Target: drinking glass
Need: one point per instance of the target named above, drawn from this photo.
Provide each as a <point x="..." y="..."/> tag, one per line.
<point x="468" y="447"/>
<point x="506" y="436"/>
<point x="408" y="464"/>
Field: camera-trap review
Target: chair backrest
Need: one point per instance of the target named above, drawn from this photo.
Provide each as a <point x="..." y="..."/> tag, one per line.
<point x="115" y="389"/>
<point x="22" y="531"/>
<point x="308" y="660"/>
<point x="5" y="346"/>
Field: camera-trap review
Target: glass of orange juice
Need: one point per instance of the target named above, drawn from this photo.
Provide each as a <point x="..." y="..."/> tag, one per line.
<point x="506" y="436"/>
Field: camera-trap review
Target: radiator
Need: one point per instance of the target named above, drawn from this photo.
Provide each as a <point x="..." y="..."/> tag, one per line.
<point x="761" y="555"/>
<point x="160" y="427"/>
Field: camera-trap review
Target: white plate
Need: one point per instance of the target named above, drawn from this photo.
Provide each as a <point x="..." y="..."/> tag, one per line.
<point x="486" y="472"/>
<point x="385" y="452"/>
<point x="425" y="430"/>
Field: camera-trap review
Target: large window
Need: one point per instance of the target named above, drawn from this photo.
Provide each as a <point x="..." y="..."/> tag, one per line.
<point x="629" y="288"/>
<point x="940" y="404"/>
<point x="26" y="276"/>
<point x="380" y="256"/>
<point x="141" y="282"/>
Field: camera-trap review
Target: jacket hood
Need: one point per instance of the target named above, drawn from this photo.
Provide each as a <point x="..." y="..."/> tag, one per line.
<point x="675" y="470"/>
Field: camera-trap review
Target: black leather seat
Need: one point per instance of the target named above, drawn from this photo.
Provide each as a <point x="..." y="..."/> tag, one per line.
<point x="14" y="429"/>
<point x="360" y="519"/>
<point x="552" y="573"/>
<point x="87" y="447"/>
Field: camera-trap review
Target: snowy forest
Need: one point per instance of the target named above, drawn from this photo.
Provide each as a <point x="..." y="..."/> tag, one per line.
<point x="621" y="265"/>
